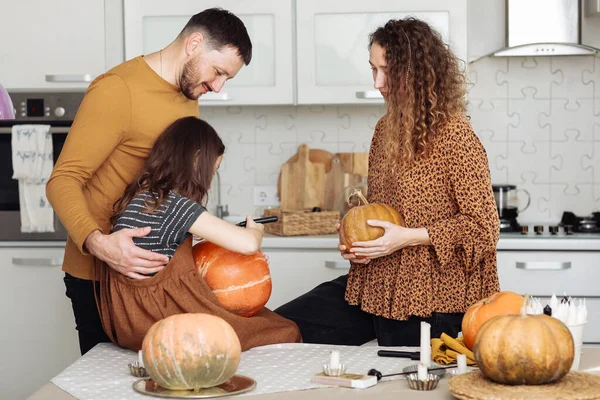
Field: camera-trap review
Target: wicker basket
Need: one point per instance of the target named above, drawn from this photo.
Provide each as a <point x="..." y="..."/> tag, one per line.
<point x="295" y="223"/>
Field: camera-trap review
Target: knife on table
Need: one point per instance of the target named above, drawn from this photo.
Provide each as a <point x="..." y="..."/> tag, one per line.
<point x="261" y="220"/>
<point x="413" y="355"/>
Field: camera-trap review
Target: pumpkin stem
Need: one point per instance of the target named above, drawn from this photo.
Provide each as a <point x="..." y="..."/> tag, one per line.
<point x="357" y="193"/>
<point x="524" y="306"/>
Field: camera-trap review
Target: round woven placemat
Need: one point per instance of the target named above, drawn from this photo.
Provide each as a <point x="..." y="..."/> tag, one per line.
<point x="575" y="385"/>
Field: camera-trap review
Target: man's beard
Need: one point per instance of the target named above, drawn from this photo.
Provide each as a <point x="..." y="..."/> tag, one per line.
<point x="189" y="77"/>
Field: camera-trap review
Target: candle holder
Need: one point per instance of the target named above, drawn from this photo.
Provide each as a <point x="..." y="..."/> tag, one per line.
<point x="429" y="384"/>
<point x="431" y="370"/>
<point x="340" y="370"/>
<point x="454" y="372"/>
<point x="137" y="370"/>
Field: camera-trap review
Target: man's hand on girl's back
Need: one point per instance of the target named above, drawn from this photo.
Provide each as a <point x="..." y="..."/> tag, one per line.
<point x="122" y="255"/>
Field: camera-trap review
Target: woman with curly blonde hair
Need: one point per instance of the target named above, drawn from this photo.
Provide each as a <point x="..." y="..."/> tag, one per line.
<point x="427" y="163"/>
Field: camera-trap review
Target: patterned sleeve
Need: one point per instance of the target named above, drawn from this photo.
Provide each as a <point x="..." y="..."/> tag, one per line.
<point x="472" y="234"/>
<point x="185" y="213"/>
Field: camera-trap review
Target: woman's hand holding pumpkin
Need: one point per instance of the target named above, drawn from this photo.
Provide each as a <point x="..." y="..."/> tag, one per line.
<point x="395" y="237"/>
<point x="349" y="256"/>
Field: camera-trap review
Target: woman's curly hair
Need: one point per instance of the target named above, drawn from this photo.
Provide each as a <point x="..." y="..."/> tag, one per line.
<point x="434" y="92"/>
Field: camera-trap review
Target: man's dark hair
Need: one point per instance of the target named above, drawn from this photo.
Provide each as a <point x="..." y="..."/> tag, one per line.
<point x="221" y="28"/>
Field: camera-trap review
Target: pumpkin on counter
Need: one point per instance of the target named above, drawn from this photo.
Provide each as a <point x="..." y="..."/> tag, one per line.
<point x="191" y="351"/>
<point x="501" y="303"/>
<point x="524" y="349"/>
<point x="241" y="283"/>
<point x="354" y="227"/>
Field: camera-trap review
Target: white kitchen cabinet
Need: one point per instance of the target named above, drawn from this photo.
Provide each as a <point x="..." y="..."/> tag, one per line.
<point x="592" y="8"/>
<point x="297" y="271"/>
<point x="332" y="40"/>
<point x="152" y="25"/>
<point x="544" y="273"/>
<point x="51" y="44"/>
<point x="39" y="338"/>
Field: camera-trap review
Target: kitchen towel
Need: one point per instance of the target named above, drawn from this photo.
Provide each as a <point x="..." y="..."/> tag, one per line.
<point x="102" y="373"/>
<point x="445" y="349"/>
<point x="32" y="159"/>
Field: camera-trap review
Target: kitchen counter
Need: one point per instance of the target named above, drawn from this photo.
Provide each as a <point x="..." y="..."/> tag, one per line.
<point x="34" y="243"/>
<point x="396" y="389"/>
<point x="508" y="241"/>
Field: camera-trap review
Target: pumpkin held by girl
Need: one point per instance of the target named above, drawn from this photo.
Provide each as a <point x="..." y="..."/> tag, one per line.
<point x="241" y="283"/>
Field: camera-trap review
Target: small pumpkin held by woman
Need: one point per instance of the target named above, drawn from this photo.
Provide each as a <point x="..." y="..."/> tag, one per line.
<point x="524" y="349"/>
<point x="354" y="227"/>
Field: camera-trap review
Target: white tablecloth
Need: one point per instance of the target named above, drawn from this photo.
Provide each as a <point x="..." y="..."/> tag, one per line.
<point x="102" y="373"/>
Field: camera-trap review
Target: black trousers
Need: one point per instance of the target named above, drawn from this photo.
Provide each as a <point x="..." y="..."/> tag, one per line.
<point x="87" y="319"/>
<point x="323" y="316"/>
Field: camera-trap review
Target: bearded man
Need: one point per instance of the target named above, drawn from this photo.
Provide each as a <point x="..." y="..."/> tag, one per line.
<point x="121" y="115"/>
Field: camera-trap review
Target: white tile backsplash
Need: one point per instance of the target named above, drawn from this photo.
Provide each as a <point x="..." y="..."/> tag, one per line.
<point x="260" y="139"/>
<point x="538" y="118"/>
<point x="552" y="131"/>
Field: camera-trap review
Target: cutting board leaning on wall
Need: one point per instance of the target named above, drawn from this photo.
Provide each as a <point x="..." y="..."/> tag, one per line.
<point x="318" y="178"/>
<point x="302" y="182"/>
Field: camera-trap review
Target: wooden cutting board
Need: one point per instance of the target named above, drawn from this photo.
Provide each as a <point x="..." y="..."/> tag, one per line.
<point x="354" y="163"/>
<point x="315" y="156"/>
<point x="347" y="171"/>
<point x="334" y="185"/>
<point x="302" y="182"/>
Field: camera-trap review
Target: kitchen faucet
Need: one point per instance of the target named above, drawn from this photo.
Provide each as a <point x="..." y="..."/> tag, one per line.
<point x="220" y="211"/>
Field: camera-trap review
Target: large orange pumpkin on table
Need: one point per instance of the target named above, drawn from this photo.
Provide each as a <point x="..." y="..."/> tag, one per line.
<point x="524" y="349"/>
<point x="501" y="303"/>
<point x="354" y="227"/>
<point x="191" y="351"/>
<point x="241" y="283"/>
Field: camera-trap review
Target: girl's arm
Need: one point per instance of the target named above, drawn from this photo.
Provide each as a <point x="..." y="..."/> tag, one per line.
<point x="241" y="240"/>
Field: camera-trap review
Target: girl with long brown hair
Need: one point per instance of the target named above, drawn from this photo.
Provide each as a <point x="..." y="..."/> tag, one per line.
<point x="427" y="163"/>
<point x="168" y="195"/>
<point x="170" y="192"/>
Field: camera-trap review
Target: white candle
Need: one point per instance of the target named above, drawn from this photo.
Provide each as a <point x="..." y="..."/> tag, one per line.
<point x="538" y="307"/>
<point x="140" y="359"/>
<point x="425" y="350"/>
<point x="529" y="309"/>
<point x="582" y="314"/>
<point x="560" y="313"/>
<point x="553" y="303"/>
<point x="422" y="372"/>
<point x="461" y="360"/>
<point x="572" y="316"/>
<point x="334" y="360"/>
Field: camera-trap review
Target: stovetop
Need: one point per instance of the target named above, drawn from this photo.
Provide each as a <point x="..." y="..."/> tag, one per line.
<point x="570" y="226"/>
<point x="547" y="235"/>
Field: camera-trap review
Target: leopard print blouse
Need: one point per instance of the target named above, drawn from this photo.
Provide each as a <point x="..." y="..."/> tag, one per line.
<point x="450" y="193"/>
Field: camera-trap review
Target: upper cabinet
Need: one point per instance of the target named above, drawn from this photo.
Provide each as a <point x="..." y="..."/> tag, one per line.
<point x="304" y="51"/>
<point x="52" y="44"/>
<point x="332" y="39"/>
<point x="269" y="79"/>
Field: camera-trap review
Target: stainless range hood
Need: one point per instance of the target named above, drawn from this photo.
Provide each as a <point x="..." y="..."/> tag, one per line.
<point x="543" y="28"/>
